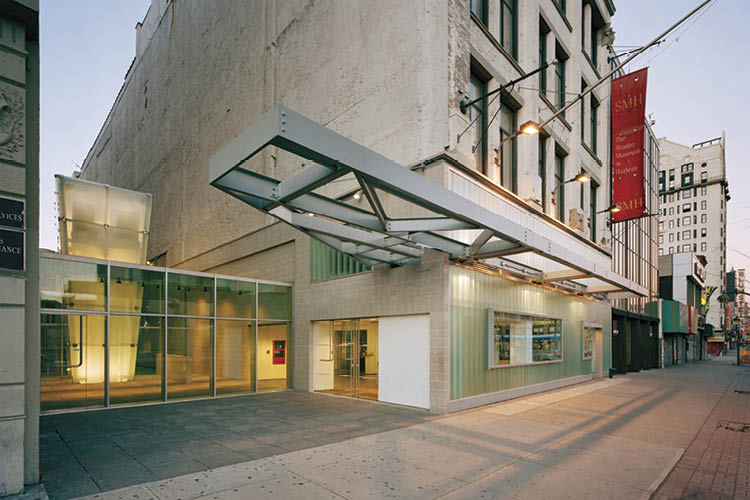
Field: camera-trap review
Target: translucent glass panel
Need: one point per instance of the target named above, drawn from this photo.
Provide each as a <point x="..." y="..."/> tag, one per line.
<point x="136" y="359"/>
<point x="273" y="356"/>
<point x="102" y="221"/>
<point x="72" y="361"/>
<point x="235" y="299"/>
<point x="68" y="284"/>
<point x="274" y="302"/>
<point x="189" y="356"/>
<point x="235" y="356"/>
<point x="190" y="295"/>
<point x="136" y="290"/>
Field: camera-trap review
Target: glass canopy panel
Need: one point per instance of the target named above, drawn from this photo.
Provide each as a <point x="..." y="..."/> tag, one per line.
<point x="190" y="295"/>
<point x="67" y="284"/>
<point x="274" y="301"/>
<point x="235" y="299"/>
<point x="101" y="221"/>
<point x="136" y="290"/>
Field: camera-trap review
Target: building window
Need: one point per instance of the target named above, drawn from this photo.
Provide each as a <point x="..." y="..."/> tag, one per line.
<point x="703" y="246"/>
<point x="661" y="239"/>
<point x="595" y="122"/>
<point x="671" y="198"/>
<point x="583" y="112"/>
<point x="507" y="151"/>
<point x="703" y="205"/>
<point x="695" y="219"/>
<point x="480" y="9"/>
<point x="661" y="251"/>
<point x="686" y="207"/>
<point x="520" y="339"/>
<point x="508" y="24"/>
<point x="687" y="194"/>
<point x="703" y="218"/>
<point x="686" y="235"/>
<point x="703" y="191"/>
<point x="671" y="210"/>
<point x="688" y="167"/>
<point x="543" y="170"/>
<point x="686" y="248"/>
<point x="543" y="32"/>
<point x="478" y="115"/>
<point x="592" y="208"/>
<point x="703" y="232"/>
<point x="560" y="76"/>
<point x="704" y="177"/>
<point x="687" y="179"/>
<point x="559" y="188"/>
<point x="661" y="225"/>
<point x="671" y="221"/>
<point x="671" y="237"/>
<point x="671" y="249"/>
<point x="671" y="175"/>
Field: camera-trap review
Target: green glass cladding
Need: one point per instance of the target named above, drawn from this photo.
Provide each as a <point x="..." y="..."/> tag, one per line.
<point x="327" y="263"/>
<point x="474" y="294"/>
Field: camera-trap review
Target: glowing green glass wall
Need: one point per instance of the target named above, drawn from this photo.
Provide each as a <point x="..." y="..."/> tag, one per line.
<point x="327" y="263"/>
<point x="473" y="294"/>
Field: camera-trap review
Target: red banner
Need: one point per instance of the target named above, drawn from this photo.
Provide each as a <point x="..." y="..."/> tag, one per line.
<point x="628" y="115"/>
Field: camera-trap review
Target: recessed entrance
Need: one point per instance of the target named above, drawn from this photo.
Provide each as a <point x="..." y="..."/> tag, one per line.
<point x="348" y="362"/>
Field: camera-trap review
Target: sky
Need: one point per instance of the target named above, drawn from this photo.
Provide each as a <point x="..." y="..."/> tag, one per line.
<point x="697" y="86"/>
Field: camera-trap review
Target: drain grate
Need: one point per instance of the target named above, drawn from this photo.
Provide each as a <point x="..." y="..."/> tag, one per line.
<point x="734" y="426"/>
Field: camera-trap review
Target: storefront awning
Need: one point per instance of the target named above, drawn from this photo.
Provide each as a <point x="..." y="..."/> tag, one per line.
<point x="371" y="236"/>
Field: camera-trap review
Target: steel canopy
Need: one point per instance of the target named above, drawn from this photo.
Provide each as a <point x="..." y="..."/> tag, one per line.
<point x="370" y="236"/>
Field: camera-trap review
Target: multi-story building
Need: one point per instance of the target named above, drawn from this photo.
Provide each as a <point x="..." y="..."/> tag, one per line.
<point x="694" y="193"/>
<point x="465" y="265"/>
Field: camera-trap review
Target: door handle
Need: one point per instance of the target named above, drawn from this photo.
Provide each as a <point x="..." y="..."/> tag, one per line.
<point x="80" y="346"/>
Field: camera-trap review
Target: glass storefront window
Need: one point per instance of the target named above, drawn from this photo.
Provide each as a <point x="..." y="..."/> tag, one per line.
<point x="235" y="356"/>
<point x="136" y="290"/>
<point x="519" y="339"/>
<point x="68" y="284"/>
<point x="235" y="299"/>
<point x="136" y="359"/>
<point x="190" y="295"/>
<point x="72" y="361"/>
<point x="189" y="357"/>
<point x="274" y="301"/>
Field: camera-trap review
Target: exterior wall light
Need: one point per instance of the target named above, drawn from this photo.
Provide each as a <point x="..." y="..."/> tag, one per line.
<point x="530" y="128"/>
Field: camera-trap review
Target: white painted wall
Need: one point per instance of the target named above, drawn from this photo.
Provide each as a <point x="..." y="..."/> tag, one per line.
<point x="405" y="360"/>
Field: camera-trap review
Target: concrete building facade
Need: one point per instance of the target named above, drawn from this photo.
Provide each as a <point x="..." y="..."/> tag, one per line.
<point x="389" y="76"/>
<point x="694" y="194"/>
<point x="19" y="245"/>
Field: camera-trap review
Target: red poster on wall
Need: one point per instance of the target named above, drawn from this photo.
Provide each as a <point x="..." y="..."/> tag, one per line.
<point x="628" y="115"/>
<point x="279" y="352"/>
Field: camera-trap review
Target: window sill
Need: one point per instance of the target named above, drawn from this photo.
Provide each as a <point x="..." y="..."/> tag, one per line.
<point x="562" y="15"/>
<point x="533" y="363"/>
<point x="497" y="45"/>
<point x="553" y="108"/>
<point x="591" y="152"/>
<point x="591" y="63"/>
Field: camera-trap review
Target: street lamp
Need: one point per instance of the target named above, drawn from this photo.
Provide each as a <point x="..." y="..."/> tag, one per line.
<point x="613" y="210"/>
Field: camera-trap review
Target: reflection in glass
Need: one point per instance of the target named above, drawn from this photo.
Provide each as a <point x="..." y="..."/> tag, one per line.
<point x="72" y="361"/>
<point x="235" y="299"/>
<point x="67" y="284"/>
<point x="136" y="290"/>
<point x="235" y="356"/>
<point x="273" y="356"/>
<point x="521" y="339"/>
<point x="189" y="355"/>
<point x="135" y="359"/>
<point x="274" y="301"/>
<point x="190" y="295"/>
<point x="588" y="342"/>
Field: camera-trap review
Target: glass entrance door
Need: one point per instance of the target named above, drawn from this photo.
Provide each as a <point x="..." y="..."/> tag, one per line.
<point x="354" y="354"/>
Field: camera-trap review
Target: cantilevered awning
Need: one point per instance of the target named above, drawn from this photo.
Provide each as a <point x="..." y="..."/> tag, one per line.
<point x="370" y="236"/>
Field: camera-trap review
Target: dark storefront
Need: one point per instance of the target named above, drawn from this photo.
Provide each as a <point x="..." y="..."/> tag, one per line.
<point x="635" y="341"/>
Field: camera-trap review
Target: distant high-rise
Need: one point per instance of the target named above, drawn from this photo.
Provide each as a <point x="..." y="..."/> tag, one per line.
<point x="694" y="194"/>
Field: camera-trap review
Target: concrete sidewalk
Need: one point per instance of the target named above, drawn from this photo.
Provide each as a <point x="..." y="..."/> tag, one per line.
<point x="615" y="439"/>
